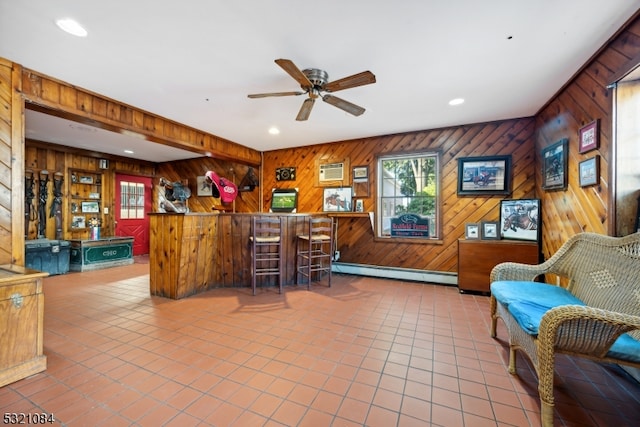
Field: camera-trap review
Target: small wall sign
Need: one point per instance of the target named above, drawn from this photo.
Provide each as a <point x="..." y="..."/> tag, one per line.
<point x="410" y="225"/>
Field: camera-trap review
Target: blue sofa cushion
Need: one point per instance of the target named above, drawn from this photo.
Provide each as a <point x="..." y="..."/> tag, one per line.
<point x="529" y="301"/>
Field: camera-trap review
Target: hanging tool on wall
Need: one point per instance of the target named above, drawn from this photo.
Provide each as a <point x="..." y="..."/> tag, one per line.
<point x="42" y="203"/>
<point x="29" y="195"/>
<point x="56" y="205"/>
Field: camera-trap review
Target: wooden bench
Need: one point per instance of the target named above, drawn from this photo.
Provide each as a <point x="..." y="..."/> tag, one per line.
<point x="593" y="311"/>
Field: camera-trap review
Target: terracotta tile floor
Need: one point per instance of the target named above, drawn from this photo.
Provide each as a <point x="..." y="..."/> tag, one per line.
<point x="365" y="352"/>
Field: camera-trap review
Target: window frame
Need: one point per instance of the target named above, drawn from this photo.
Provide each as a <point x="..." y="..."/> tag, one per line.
<point x="435" y="232"/>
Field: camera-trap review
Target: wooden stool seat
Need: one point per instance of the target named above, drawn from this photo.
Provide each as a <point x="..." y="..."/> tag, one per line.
<point x="266" y="249"/>
<point x="314" y="250"/>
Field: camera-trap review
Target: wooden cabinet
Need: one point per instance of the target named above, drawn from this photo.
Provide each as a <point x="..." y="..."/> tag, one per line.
<point x="21" y="321"/>
<point x="476" y="259"/>
<point x="85" y="199"/>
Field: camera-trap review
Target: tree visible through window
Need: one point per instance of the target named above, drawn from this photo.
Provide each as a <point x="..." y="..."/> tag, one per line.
<point x="408" y="196"/>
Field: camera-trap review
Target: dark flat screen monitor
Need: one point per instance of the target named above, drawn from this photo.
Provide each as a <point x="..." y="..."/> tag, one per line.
<point x="284" y="200"/>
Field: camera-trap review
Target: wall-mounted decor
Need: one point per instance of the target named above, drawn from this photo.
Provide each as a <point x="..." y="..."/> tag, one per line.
<point x="337" y="199"/>
<point x="490" y="230"/>
<point x="78" y="222"/>
<point x="359" y="205"/>
<point x="286" y="174"/>
<point x="589" y="171"/>
<point x="484" y="175"/>
<point x="410" y="225"/>
<point x="90" y="207"/>
<point x="520" y="219"/>
<point x="204" y="187"/>
<point x="472" y="231"/>
<point x="85" y="179"/>
<point x="554" y="161"/>
<point x="589" y="137"/>
<point x="360" y="176"/>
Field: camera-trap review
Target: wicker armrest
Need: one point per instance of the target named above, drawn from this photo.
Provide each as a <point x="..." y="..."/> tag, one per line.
<point x="516" y="271"/>
<point x="583" y="329"/>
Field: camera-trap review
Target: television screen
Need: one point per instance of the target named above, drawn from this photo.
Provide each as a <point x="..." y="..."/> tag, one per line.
<point x="284" y="200"/>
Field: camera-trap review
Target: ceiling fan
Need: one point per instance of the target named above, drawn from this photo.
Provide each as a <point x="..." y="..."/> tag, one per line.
<point x="314" y="82"/>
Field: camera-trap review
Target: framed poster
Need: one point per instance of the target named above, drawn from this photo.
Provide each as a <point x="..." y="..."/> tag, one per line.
<point x="472" y="231"/>
<point x="204" y="189"/>
<point x="589" y="137"/>
<point x="90" y="207"/>
<point x="589" y="171"/>
<point x="360" y="176"/>
<point x="489" y="230"/>
<point x="484" y="175"/>
<point x="337" y="199"/>
<point x="520" y="219"/>
<point x="554" y="166"/>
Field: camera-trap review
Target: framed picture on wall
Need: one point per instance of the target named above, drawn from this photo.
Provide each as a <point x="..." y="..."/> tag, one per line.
<point x="337" y="199"/>
<point x="204" y="189"/>
<point x="589" y="171"/>
<point x="520" y="219"/>
<point x="589" y="137"/>
<point x="554" y="166"/>
<point x="484" y="175"/>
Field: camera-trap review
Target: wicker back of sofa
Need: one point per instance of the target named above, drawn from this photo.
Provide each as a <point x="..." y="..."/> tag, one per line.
<point x="603" y="271"/>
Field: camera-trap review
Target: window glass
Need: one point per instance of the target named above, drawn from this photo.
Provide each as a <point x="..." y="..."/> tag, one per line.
<point x="408" y="196"/>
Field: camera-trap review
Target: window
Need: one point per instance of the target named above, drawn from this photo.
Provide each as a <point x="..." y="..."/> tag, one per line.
<point x="408" y="189"/>
<point x="131" y="200"/>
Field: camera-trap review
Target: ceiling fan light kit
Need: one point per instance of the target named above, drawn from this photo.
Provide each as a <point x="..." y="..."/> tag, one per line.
<point x="314" y="82"/>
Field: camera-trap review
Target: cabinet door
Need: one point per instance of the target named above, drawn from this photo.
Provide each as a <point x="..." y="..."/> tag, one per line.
<point x="476" y="259"/>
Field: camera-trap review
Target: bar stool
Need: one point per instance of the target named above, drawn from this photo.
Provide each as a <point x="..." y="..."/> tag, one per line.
<point x="266" y="249"/>
<point x="314" y="249"/>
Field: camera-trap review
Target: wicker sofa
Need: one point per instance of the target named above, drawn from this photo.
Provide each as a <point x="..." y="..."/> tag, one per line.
<point x="593" y="312"/>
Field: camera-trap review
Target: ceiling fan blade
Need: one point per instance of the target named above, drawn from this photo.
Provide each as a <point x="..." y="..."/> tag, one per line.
<point x="347" y="106"/>
<point x="264" y="95"/>
<point x="294" y="72"/>
<point x="305" y="110"/>
<point x="360" y="79"/>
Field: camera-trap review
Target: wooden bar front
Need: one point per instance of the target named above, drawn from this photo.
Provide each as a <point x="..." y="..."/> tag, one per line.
<point x="194" y="252"/>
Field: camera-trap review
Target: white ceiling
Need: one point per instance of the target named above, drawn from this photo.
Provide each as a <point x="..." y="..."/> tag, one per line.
<point x="196" y="61"/>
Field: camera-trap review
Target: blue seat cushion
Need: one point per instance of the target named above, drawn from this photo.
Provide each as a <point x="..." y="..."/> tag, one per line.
<point x="529" y="301"/>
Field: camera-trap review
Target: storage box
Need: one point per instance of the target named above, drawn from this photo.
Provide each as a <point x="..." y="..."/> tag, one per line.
<point x="21" y="317"/>
<point x="51" y="256"/>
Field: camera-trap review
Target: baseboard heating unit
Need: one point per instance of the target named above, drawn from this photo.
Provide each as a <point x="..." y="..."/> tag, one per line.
<point x="410" y="274"/>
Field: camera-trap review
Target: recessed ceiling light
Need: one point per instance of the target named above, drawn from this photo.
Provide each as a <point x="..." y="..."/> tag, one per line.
<point x="456" y="101"/>
<point x="72" y="27"/>
<point x="274" y="130"/>
<point x="128" y="151"/>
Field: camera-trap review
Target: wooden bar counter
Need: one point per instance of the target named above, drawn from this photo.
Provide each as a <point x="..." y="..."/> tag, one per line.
<point x="193" y="252"/>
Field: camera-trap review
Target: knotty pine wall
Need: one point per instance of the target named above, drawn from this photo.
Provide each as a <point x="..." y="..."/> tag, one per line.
<point x="355" y="236"/>
<point x="584" y="99"/>
<point x="40" y="156"/>
<point x="247" y="201"/>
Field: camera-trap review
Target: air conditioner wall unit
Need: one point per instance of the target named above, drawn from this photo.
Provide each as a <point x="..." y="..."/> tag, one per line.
<point x="331" y="172"/>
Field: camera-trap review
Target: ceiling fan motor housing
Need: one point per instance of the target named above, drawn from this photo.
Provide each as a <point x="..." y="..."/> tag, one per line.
<point x="317" y="77"/>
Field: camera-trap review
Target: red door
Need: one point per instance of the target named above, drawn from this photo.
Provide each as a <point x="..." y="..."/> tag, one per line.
<point x="133" y="202"/>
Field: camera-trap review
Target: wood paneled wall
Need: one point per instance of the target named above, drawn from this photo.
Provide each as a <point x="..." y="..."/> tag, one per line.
<point x="11" y="168"/>
<point x="584" y="99"/>
<point x="355" y="236"/>
<point x="189" y="170"/>
<point x="40" y="156"/>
